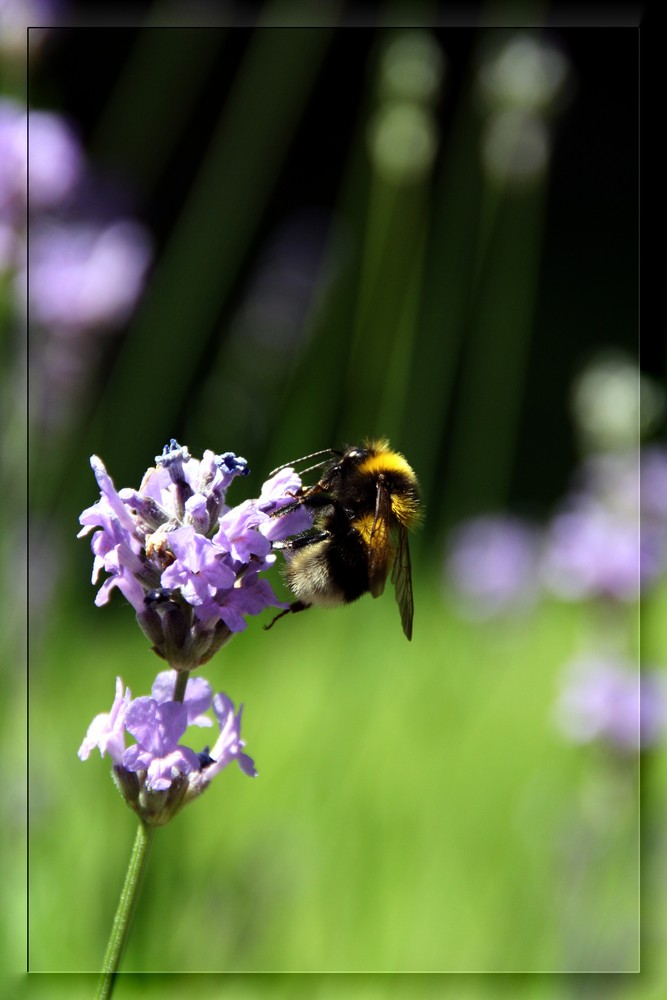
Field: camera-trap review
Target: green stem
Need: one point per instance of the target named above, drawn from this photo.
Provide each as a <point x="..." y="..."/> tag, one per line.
<point x="181" y="684"/>
<point x="126" y="904"/>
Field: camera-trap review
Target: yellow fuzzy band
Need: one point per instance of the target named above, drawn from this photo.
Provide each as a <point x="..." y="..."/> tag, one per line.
<point x="405" y="508"/>
<point x="364" y="525"/>
<point x="383" y="459"/>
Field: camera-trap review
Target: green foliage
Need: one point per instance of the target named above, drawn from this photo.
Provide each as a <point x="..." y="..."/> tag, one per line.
<point x="416" y="808"/>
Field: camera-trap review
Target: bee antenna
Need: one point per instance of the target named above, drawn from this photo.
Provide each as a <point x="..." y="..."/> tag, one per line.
<point x="304" y="458"/>
<point x="317" y="465"/>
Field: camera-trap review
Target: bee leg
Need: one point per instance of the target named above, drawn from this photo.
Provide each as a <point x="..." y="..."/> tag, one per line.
<point x="308" y="537"/>
<point x="293" y="608"/>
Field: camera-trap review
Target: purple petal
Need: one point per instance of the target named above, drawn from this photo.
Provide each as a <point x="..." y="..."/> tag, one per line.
<point x="197" y="700"/>
<point x="110" y="506"/>
<point x="156" y="728"/>
<point x="107" y="730"/>
<point x="229" y="745"/>
<point x="163" y="770"/>
<point x="238" y="532"/>
<point x="196" y="557"/>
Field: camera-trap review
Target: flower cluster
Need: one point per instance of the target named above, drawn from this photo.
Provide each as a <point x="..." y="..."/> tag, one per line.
<point x="157" y="775"/>
<point x="605" y="544"/>
<point x="606" y="698"/>
<point x="87" y="261"/>
<point x="606" y="540"/>
<point x="87" y="256"/>
<point x="189" y="564"/>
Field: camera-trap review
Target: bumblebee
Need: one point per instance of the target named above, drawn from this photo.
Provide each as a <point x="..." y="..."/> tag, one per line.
<point x="364" y="503"/>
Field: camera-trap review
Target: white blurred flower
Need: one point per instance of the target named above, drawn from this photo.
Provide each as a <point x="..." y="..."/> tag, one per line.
<point x="522" y="81"/>
<point x="516" y="145"/>
<point x="402" y="133"/>
<point x="522" y="71"/>
<point x="613" y="403"/>
<point x="412" y="67"/>
<point x="403" y="140"/>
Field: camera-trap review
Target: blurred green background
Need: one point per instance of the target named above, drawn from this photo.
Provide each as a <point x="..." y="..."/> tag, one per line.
<point x="348" y="241"/>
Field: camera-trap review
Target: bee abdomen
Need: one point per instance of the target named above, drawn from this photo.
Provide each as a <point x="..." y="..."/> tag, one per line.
<point x="327" y="575"/>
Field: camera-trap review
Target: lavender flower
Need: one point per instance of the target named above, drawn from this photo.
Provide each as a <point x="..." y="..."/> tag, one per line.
<point x="88" y="263"/>
<point x="653" y="513"/>
<point x="592" y="551"/>
<point x="606" y="698"/>
<point x="86" y="275"/>
<point x="491" y="565"/>
<point x="56" y="163"/>
<point x="55" y="167"/>
<point x="187" y="563"/>
<point x="15" y="18"/>
<point x="653" y="484"/>
<point x="158" y="775"/>
<point x="13" y="134"/>
<point x="609" y="539"/>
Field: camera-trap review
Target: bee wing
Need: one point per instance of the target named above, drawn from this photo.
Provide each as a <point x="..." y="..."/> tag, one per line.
<point x="401" y="577"/>
<point x="379" y="543"/>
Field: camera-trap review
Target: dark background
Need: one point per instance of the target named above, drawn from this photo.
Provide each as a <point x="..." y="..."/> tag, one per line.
<point x="587" y="294"/>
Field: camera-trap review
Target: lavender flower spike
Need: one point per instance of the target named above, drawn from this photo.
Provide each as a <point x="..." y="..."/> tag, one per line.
<point x="157" y="775"/>
<point x="188" y="563"/>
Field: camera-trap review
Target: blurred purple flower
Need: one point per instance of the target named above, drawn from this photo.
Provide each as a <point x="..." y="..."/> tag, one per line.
<point x="612" y="479"/>
<point x="610" y="537"/>
<point x="86" y="276"/>
<point x="653" y="513"/>
<point x="607" y="698"/>
<point x="491" y="564"/>
<point x="592" y="552"/>
<point x="84" y="267"/>
<point x="187" y="562"/>
<point x="55" y="162"/>
<point x="13" y="157"/>
<point x="13" y="136"/>
<point x="41" y="148"/>
<point x="158" y="775"/>
<point x="653" y="483"/>
<point x="15" y="18"/>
